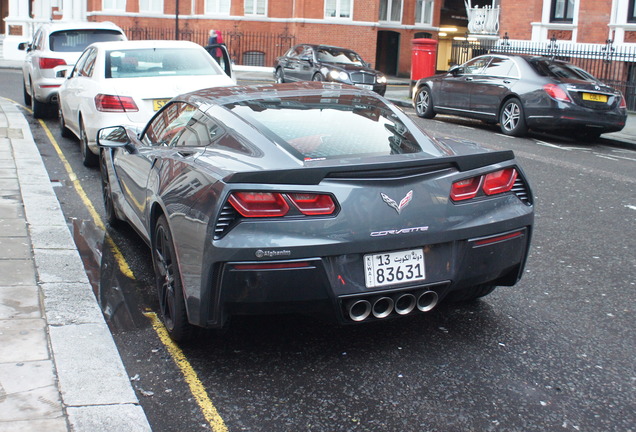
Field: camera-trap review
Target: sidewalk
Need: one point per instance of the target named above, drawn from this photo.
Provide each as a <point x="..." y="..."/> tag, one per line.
<point x="59" y="367"/>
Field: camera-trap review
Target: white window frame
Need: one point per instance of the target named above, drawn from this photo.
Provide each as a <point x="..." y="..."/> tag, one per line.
<point x="254" y="9"/>
<point x="338" y="7"/>
<point x="151" y="6"/>
<point x="218" y="7"/>
<point x="423" y="19"/>
<point x="114" y="5"/>
<point x="389" y="11"/>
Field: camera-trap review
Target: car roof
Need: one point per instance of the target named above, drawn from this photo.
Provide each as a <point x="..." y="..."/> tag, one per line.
<point x="80" y="25"/>
<point x="114" y="45"/>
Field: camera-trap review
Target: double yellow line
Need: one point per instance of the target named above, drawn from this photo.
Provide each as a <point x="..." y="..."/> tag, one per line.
<point x="191" y="378"/>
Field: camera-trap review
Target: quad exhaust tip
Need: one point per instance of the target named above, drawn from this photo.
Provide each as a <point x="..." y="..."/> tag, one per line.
<point x="381" y="307"/>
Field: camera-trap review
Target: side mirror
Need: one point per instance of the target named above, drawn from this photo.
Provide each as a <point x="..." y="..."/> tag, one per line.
<point x="456" y="70"/>
<point x="63" y="73"/>
<point x="114" y="137"/>
<point x="307" y="59"/>
<point x="23" y="46"/>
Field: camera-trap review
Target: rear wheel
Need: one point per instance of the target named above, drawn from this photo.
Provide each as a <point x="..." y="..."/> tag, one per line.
<point x="64" y="131"/>
<point x="89" y="158"/>
<point x="470" y="293"/>
<point x="27" y="96"/>
<point x="512" y="119"/>
<point x="424" y="103"/>
<point x="169" y="286"/>
<point x="318" y="77"/>
<point x="40" y="110"/>
<point x="278" y="76"/>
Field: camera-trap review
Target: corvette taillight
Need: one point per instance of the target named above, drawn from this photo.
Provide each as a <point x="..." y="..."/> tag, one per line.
<point x="276" y="204"/>
<point x="556" y="92"/>
<point x="113" y="103"/>
<point x="311" y="204"/>
<point x="50" y="63"/>
<point x="490" y="184"/>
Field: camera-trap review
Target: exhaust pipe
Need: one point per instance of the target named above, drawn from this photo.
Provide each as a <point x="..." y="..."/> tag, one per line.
<point x="405" y="304"/>
<point x="359" y="310"/>
<point x="382" y="307"/>
<point x="427" y="301"/>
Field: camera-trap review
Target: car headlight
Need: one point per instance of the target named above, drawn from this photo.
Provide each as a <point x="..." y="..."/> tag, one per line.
<point x="338" y="75"/>
<point x="381" y="79"/>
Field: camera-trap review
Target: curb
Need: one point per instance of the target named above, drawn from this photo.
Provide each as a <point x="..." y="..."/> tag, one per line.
<point x="94" y="386"/>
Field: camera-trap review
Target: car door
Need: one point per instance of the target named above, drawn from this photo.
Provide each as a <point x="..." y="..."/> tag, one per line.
<point x="292" y="65"/>
<point x="455" y="89"/>
<point x="492" y="85"/>
<point x="78" y="90"/>
<point x="222" y="56"/>
<point x="307" y="62"/>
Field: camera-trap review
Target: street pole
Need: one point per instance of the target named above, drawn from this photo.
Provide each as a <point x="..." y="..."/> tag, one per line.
<point x="176" y="20"/>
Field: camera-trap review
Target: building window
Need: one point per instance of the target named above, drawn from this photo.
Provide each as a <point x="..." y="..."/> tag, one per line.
<point x="562" y="11"/>
<point x="338" y="9"/>
<point x="424" y="12"/>
<point x="217" y="7"/>
<point x="391" y="10"/>
<point x="118" y="5"/>
<point x="254" y="58"/>
<point x="256" y="7"/>
<point x="631" y="12"/>
<point x="155" y="6"/>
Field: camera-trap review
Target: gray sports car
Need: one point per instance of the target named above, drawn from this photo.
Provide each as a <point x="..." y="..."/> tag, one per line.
<point x="312" y="197"/>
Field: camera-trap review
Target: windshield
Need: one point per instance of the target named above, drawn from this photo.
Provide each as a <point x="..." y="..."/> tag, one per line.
<point x="560" y="70"/>
<point x="335" y="55"/>
<point x="78" y="40"/>
<point x="151" y="62"/>
<point x="317" y="128"/>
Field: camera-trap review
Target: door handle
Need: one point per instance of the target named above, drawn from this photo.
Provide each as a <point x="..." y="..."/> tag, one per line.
<point x="469" y="78"/>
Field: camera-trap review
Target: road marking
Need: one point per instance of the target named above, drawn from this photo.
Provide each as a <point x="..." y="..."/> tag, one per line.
<point x="196" y="386"/>
<point x="605" y="157"/>
<point x="505" y="136"/>
<point x="547" y="144"/>
<point x="631" y="207"/>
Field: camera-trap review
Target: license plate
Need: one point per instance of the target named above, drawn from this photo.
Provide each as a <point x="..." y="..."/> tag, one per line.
<point x="158" y="103"/>
<point x="390" y="268"/>
<point x="594" y="97"/>
<point x="365" y="86"/>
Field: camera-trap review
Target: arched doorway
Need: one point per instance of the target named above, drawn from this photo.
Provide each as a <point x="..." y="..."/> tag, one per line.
<point x="387" y="53"/>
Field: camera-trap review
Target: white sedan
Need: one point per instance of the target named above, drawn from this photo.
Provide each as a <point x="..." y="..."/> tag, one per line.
<point x="125" y="83"/>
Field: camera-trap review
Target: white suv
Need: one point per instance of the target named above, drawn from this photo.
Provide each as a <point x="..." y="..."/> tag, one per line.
<point x="55" y="47"/>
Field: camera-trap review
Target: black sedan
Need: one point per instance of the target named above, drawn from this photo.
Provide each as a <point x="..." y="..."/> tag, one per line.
<point x="306" y="62"/>
<point x="312" y="198"/>
<point x="522" y="93"/>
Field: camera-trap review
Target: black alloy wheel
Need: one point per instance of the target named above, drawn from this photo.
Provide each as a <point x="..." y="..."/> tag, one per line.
<point x="424" y="103"/>
<point x="512" y="118"/>
<point x="169" y="286"/>
<point x="107" y="193"/>
<point x="89" y="159"/>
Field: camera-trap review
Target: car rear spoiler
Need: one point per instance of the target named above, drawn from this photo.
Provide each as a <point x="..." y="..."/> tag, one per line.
<point x="314" y="175"/>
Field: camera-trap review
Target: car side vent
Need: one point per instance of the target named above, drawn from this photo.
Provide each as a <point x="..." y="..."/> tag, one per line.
<point x="521" y="190"/>
<point x="226" y="220"/>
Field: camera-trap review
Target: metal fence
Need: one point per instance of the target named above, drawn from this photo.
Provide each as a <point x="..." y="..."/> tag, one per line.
<point x="614" y="65"/>
<point x="246" y="48"/>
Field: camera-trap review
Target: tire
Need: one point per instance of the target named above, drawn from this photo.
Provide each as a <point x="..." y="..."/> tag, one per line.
<point x="107" y="194"/>
<point x="27" y="96"/>
<point x="424" y="103"/>
<point x="512" y="118"/>
<point x="40" y="110"/>
<point x="470" y="294"/>
<point x="279" y="77"/>
<point x="89" y="158"/>
<point x="169" y="286"/>
<point x="64" y="131"/>
<point x="318" y="77"/>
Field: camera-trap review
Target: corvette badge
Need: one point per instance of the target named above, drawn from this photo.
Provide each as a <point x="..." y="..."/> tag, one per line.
<point x="403" y="203"/>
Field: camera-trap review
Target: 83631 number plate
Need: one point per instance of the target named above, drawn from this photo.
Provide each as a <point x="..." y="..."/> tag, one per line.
<point x="391" y="268"/>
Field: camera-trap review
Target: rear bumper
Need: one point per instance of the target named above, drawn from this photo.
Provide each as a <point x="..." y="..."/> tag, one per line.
<point x="332" y="284"/>
<point x="577" y="119"/>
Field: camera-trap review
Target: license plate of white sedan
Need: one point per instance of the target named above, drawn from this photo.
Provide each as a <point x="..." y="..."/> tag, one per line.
<point x="390" y="268"/>
<point x="594" y="97"/>
<point x="158" y="103"/>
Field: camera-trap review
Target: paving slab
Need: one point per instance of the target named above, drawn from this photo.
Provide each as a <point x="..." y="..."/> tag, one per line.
<point x="19" y="302"/>
<point x="17" y="272"/>
<point x="26" y="339"/>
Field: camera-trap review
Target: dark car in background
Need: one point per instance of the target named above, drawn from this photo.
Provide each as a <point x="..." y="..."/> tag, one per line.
<point x="312" y="198"/>
<point x="307" y="62"/>
<point x="522" y="93"/>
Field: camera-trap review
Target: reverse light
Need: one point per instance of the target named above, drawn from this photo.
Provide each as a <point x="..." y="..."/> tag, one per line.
<point x="494" y="183"/>
<point x="50" y="63"/>
<point x="259" y="204"/>
<point x="556" y="93"/>
<point x="113" y="103"/>
<point x="311" y="204"/>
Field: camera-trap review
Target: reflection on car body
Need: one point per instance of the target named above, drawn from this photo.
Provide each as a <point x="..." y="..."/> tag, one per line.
<point x="312" y="197"/>
<point x="522" y="93"/>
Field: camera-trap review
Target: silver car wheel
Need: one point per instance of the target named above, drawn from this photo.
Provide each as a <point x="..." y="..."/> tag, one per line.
<point x="511" y="116"/>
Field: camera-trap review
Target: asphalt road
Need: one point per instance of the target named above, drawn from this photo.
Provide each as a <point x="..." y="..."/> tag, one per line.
<point x="555" y="352"/>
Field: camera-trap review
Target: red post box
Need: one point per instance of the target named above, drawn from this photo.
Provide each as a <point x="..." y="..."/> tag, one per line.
<point x="423" y="58"/>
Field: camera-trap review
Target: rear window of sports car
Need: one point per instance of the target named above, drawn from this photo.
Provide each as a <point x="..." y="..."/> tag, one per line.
<point x="323" y="128"/>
